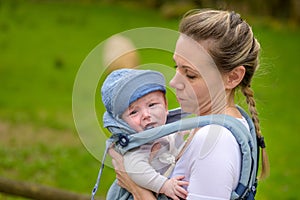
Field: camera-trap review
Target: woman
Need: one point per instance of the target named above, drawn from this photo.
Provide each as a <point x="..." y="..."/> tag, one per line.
<point x="215" y="55"/>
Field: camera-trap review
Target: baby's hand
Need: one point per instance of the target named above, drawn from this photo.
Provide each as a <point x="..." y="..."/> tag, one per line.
<point x="173" y="188"/>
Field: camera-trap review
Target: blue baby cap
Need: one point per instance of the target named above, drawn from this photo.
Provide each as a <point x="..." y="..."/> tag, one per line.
<point x="124" y="86"/>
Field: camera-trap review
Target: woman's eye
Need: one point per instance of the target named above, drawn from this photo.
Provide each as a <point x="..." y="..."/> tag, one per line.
<point x="187" y="72"/>
<point x="191" y="76"/>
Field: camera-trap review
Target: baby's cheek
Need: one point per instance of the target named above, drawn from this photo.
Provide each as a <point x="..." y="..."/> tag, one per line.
<point x="135" y="124"/>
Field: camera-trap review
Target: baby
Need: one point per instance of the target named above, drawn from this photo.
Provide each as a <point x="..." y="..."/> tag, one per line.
<point x="135" y="101"/>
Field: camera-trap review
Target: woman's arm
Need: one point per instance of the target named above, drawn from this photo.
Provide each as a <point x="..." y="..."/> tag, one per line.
<point x="124" y="180"/>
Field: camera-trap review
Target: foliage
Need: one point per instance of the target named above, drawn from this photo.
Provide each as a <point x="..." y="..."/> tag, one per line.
<point x="279" y="9"/>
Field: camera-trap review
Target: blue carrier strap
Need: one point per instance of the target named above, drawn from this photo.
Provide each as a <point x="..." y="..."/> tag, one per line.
<point x="255" y="156"/>
<point x="246" y="140"/>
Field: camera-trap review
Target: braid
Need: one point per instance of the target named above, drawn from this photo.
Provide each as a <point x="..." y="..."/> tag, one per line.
<point x="249" y="94"/>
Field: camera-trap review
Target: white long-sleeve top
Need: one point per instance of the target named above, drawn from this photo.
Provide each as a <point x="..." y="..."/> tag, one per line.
<point x="211" y="163"/>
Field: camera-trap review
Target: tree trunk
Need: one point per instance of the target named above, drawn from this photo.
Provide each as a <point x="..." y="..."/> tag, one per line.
<point x="35" y="191"/>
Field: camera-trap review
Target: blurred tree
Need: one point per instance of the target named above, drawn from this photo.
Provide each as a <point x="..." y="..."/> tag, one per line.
<point x="175" y="9"/>
<point x="295" y="14"/>
<point x="279" y="9"/>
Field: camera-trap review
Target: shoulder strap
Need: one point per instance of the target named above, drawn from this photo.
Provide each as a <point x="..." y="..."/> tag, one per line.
<point x="249" y="193"/>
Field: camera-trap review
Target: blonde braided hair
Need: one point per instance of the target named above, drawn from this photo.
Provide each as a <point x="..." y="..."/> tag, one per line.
<point x="249" y="94"/>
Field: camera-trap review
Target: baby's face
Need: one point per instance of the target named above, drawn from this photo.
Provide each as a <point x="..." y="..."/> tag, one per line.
<point x="147" y="112"/>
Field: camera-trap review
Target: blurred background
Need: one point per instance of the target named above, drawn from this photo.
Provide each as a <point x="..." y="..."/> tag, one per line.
<point x="44" y="42"/>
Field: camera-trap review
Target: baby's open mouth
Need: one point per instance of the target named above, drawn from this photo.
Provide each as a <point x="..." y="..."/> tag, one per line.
<point x="149" y="126"/>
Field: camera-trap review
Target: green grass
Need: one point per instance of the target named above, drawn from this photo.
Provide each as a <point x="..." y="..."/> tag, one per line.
<point x="42" y="45"/>
<point x="278" y="98"/>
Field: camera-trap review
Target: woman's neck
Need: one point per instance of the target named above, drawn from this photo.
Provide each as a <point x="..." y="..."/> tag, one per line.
<point x="228" y="107"/>
<point x="233" y="111"/>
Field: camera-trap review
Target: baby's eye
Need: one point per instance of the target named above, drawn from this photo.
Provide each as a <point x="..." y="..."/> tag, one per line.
<point x="152" y="104"/>
<point x="133" y="112"/>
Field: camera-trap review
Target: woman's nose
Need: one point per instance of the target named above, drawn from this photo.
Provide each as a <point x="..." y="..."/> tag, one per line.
<point x="176" y="82"/>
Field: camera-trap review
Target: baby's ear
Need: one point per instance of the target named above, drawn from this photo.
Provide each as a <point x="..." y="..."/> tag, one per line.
<point x="234" y="77"/>
<point x="166" y="103"/>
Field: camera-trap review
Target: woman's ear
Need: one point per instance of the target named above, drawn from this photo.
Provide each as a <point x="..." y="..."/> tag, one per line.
<point x="234" y="77"/>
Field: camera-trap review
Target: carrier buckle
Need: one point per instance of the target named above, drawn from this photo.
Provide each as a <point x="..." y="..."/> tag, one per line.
<point x="123" y="140"/>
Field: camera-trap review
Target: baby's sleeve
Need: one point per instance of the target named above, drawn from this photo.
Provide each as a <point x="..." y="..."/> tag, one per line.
<point x="140" y="171"/>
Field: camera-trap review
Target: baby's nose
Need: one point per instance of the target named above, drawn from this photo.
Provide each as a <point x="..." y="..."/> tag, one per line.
<point x="146" y="113"/>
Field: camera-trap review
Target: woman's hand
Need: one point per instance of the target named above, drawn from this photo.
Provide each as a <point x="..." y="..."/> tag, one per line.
<point x="124" y="180"/>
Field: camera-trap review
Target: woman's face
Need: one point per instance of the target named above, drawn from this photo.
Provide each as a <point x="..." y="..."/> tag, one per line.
<point x="191" y="90"/>
<point x="198" y="83"/>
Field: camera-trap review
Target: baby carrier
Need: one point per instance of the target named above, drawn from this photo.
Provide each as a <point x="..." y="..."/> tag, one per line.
<point x="247" y="141"/>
